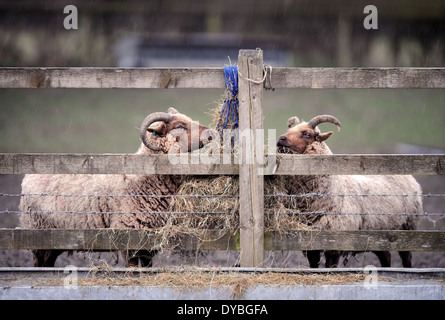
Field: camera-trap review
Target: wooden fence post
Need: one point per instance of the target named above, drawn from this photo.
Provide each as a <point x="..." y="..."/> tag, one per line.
<point x="250" y="72"/>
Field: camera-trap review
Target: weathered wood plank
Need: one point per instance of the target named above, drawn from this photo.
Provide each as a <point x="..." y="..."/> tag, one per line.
<point x="120" y="239"/>
<point x="250" y="66"/>
<point x="108" y="239"/>
<point x="368" y="164"/>
<point x="54" y="77"/>
<point x="357" y="240"/>
<point x="24" y="163"/>
<point x="355" y="78"/>
<point x="111" y="164"/>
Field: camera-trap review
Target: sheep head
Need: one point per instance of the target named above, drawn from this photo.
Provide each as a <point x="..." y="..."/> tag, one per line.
<point x="302" y="134"/>
<point x="161" y="130"/>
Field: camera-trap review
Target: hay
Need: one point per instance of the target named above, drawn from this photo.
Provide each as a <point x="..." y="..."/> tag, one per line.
<point x="195" y="278"/>
<point x="199" y="279"/>
<point x="184" y="280"/>
<point x="220" y="199"/>
<point x="225" y="205"/>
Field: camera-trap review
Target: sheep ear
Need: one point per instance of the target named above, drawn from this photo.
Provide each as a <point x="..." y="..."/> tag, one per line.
<point x="323" y="136"/>
<point x="157" y="128"/>
<point x="172" y="110"/>
<point x="293" y="121"/>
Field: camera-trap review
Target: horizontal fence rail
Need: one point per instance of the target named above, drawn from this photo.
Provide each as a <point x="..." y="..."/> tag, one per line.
<point x="356" y="78"/>
<point x="112" y="78"/>
<point x="26" y="163"/>
<point x="314" y="78"/>
<point x="123" y="239"/>
<point x="108" y="164"/>
<point x="360" y="164"/>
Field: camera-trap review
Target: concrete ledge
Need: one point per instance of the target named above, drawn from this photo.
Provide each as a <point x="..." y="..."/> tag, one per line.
<point x="390" y="284"/>
<point x="406" y="290"/>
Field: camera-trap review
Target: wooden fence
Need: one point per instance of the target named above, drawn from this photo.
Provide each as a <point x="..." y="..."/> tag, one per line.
<point x="252" y="239"/>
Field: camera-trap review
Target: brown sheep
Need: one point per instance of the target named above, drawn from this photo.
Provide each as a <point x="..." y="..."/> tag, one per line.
<point x="305" y="138"/>
<point x="159" y="132"/>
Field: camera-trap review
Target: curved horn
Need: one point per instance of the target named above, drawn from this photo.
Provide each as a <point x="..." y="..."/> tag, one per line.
<point x="293" y="121"/>
<point x="154" y="117"/>
<point x="315" y="121"/>
<point x="172" y="110"/>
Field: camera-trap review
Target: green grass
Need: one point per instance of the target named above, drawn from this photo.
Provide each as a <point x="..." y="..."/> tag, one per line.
<point x="96" y="121"/>
<point x="373" y="120"/>
<point x="107" y="120"/>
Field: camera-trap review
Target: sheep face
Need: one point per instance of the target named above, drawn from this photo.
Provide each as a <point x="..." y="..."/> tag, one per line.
<point x="298" y="138"/>
<point x="162" y="131"/>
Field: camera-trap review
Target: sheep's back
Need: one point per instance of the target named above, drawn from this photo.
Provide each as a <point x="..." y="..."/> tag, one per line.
<point x="386" y="202"/>
<point x="64" y="208"/>
<point x="334" y="206"/>
<point x="349" y="202"/>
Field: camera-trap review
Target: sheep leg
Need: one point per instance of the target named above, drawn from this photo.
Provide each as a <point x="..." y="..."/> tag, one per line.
<point x="146" y="257"/>
<point x="384" y="257"/>
<point x="313" y="257"/>
<point x="133" y="257"/>
<point x="45" y="258"/>
<point x="406" y="258"/>
<point x="332" y="258"/>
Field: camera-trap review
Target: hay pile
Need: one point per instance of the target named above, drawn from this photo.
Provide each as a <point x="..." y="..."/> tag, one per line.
<point x="220" y="199"/>
<point x="196" y="278"/>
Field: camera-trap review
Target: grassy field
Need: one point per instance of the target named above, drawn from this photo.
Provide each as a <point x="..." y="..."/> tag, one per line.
<point x="107" y="120"/>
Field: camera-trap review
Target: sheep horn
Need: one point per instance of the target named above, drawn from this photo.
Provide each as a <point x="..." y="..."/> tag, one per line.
<point x="315" y="121"/>
<point x="292" y="121"/>
<point x="172" y="110"/>
<point x="154" y="117"/>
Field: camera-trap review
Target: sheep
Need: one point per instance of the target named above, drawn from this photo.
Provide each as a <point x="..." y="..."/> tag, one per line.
<point x="306" y="138"/>
<point x="160" y="132"/>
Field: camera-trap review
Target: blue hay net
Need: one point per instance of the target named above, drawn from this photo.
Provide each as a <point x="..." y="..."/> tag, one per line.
<point x="231" y="103"/>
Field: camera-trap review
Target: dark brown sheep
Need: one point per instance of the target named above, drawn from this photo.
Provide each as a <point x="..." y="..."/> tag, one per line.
<point x="306" y="138"/>
<point x="160" y="132"/>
